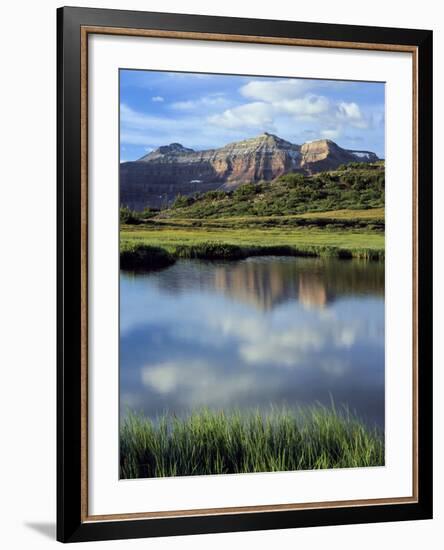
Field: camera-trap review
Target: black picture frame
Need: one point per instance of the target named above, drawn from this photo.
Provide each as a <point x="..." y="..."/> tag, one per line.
<point x="71" y="525"/>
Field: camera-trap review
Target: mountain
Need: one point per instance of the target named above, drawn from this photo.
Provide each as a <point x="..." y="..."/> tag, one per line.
<point x="158" y="177"/>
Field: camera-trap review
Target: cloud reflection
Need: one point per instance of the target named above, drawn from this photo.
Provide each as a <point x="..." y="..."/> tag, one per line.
<point x="186" y="343"/>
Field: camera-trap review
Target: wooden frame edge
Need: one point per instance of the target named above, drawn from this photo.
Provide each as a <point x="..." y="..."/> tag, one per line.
<point x="226" y="511"/>
<point x="252" y="39"/>
<point x="415" y="243"/>
<point x="84" y="270"/>
<point x="85" y="31"/>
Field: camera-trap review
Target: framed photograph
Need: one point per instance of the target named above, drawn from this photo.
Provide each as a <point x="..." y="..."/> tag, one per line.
<point x="244" y="274"/>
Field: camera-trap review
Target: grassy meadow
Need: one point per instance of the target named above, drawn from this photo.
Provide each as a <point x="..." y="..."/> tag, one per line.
<point x="173" y="233"/>
<point x="240" y="237"/>
<point x="339" y="213"/>
<point x="210" y="442"/>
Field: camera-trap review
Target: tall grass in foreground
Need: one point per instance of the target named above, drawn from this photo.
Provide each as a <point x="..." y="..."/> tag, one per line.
<point x="208" y="442"/>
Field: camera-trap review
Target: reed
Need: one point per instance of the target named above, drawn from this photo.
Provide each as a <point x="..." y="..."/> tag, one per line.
<point x="215" y="442"/>
<point x="139" y="255"/>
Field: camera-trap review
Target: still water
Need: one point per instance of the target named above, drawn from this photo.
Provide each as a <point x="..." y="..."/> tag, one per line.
<point x="261" y="332"/>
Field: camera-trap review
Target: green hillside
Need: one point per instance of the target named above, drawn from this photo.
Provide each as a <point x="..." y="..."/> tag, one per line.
<point x="354" y="186"/>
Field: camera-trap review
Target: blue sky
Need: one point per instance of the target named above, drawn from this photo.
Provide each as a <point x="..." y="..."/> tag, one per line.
<point x="203" y="111"/>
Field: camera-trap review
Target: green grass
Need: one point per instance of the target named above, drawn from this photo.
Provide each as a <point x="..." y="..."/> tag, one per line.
<point x="370" y="214"/>
<point x="209" y="442"/>
<point x="235" y="243"/>
<point x="344" y="220"/>
<point x="341" y="234"/>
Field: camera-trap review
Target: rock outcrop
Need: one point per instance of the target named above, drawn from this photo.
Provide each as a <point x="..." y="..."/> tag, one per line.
<point x="158" y="177"/>
<point x="324" y="154"/>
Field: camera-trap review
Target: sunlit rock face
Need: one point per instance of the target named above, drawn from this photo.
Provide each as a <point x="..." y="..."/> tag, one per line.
<point x="158" y="177"/>
<point x="324" y="154"/>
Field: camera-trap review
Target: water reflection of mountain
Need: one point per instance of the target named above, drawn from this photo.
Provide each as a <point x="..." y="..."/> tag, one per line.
<point x="313" y="291"/>
<point x="266" y="282"/>
<point x="263" y="286"/>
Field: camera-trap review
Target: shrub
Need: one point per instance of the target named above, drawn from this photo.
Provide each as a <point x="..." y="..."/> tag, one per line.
<point x="213" y="195"/>
<point x="181" y="201"/>
<point x="148" y="213"/>
<point x="292" y="193"/>
<point x="128" y="216"/>
<point x="138" y="256"/>
<point x="245" y="191"/>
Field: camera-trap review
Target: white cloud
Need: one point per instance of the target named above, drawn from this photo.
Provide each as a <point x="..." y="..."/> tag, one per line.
<point x="251" y="115"/>
<point x="308" y="105"/>
<point x="197" y="382"/>
<point x="285" y="349"/>
<point x="349" y="110"/>
<point x="331" y="133"/>
<point x="163" y="378"/>
<point x="212" y="116"/>
<point x="263" y="115"/>
<point x="289" y="108"/>
<point x="274" y="90"/>
<point x="275" y="101"/>
<point x="207" y="102"/>
<point x="345" y="337"/>
<point x="351" y="114"/>
<point x="289" y="347"/>
<point x="274" y="114"/>
<point x="281" y="89"/>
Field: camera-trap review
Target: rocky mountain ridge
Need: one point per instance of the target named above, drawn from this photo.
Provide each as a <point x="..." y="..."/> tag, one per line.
<point x="158" y="177"/>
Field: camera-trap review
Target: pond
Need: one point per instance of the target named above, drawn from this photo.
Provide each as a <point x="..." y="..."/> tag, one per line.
<point x="253" y="334"/>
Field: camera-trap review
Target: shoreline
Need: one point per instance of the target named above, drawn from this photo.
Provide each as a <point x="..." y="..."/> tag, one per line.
<point x="140" y="255"/>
